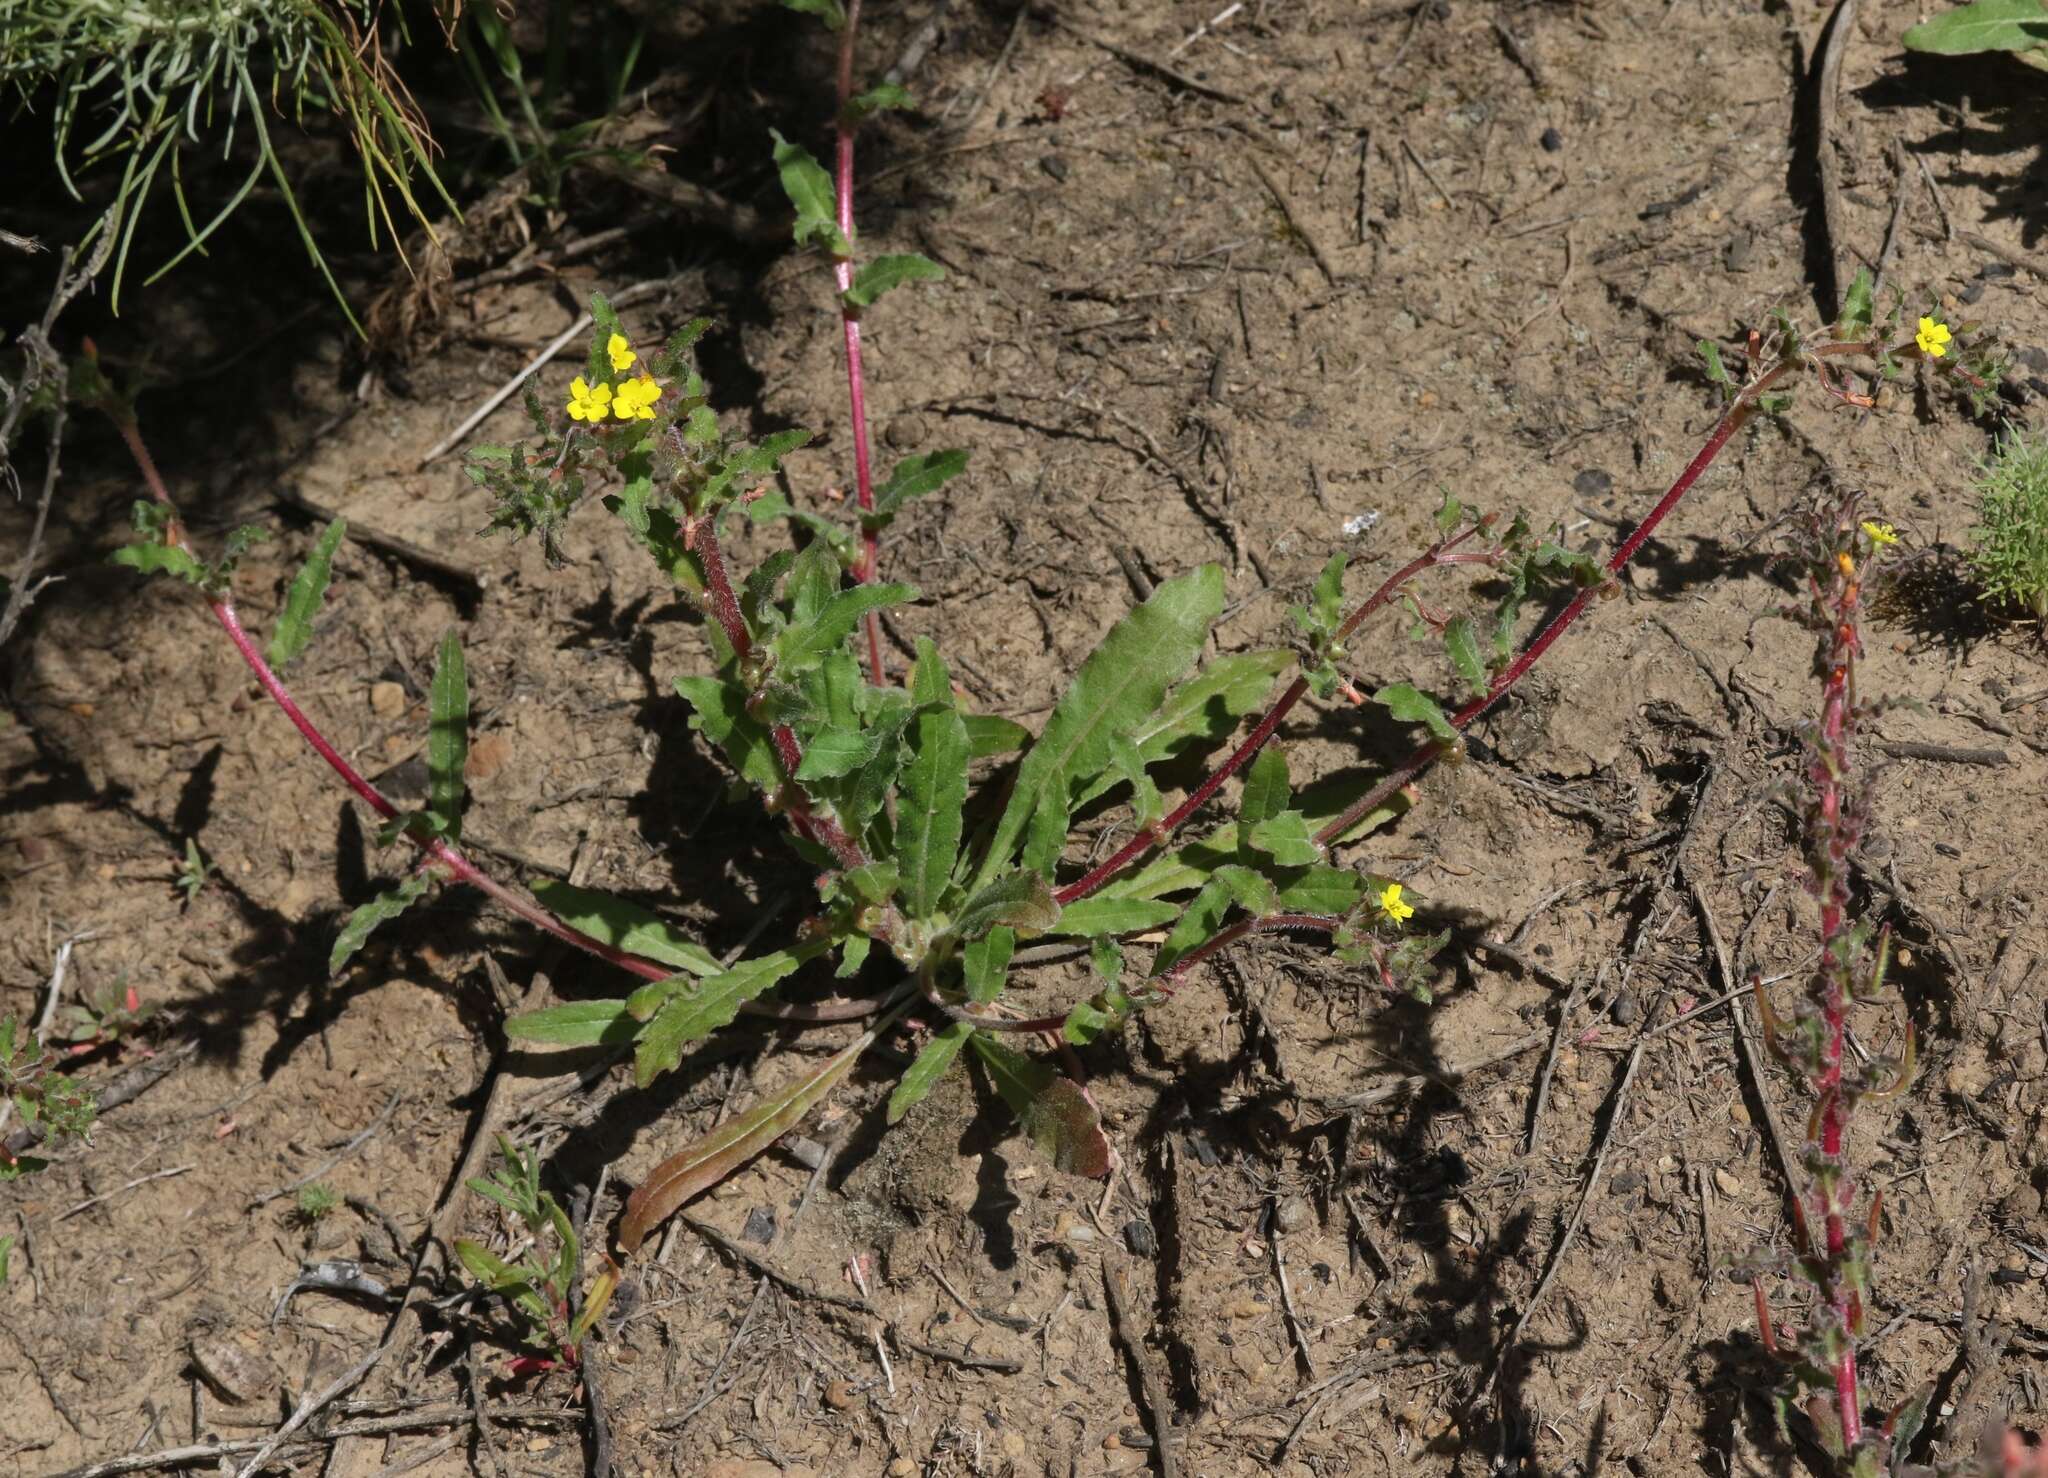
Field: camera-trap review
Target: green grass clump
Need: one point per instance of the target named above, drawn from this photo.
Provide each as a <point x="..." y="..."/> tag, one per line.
<point x="2011" y="557"/>
<point x="137" y="84"/>
<point x="315" y="1203"/>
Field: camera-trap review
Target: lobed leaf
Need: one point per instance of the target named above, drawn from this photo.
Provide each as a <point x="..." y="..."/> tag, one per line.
<point x="1411" y="706"/>
<point x="886" y="273"/>
<point x="719" y="713"/>
<point x="1461" y="641"/>
<point x="160" y="559"/>
<point x="876" y="99"/>
<point x="804" y="644"/>
<point x="388" y="905"/>
<point x="1288" y="839"/>
<point x="302" y="603"/>
<point x="809" y="189"/>
<point x="690" y="1014"/>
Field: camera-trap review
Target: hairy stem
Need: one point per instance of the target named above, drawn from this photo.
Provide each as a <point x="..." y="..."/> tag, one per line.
<point x="849" y="317"/>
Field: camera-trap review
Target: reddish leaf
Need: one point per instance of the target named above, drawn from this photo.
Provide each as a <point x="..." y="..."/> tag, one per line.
<point x="718" y="1154"/>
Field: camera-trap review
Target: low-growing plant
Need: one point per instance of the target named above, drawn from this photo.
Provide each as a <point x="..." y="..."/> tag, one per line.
<point x="48" y="1100"/>
<point x="115" y="1015"/>
<point x="2010" y="559"/>
<point x="939" y="858"/>
<point x="2019" y="28"/>
<point x="539" y="1286"/>
<point x="193" y="872"/>
<point x="315" y="1203"/>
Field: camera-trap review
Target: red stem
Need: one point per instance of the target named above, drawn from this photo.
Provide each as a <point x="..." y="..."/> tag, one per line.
<point x="1145" y="841"/>
<point x="849" y="317"/>
<point x="440" y="851"/>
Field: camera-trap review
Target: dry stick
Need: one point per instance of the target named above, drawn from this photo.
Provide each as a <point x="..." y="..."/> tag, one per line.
<point x="58" y="971"/>
<point x="23" y="589"/>
<point x="1295" y="1328"/>
<point x="1294" y="219"/>
<point x="849" y="317"/>
<point x="1549" y="1069"/>
<point x="412" y="1421"/>
<point x="2004" y="254"/>
<point x="368" y="1133"/>
<point x="1901" y="189"/>
<point x="1150" y="1386"/>
<point x="121" y="1190"/>
<point x="1594" y="1179"/>
<point x="370" y="538"/>
<point x="712" y="1390"/>
<point x="1145" y="63"/>
<point x="1828" y="77"/>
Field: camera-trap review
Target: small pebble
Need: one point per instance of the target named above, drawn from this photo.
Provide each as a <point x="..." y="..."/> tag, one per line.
<point x="902" y="1467"/>
<point x="1291" y="1215"/>
<point x="1625" y="1011"/>
<point x="1593" y="483"/>
<point x="387" y="700"/>
<point x="1139" y="1239"/>
<point x="760" y="1226"/>
<point x="839" y="1394"/>
<point x="1553" y="141"/>
<point x="905" y="432"/>
<point x="1055" y="166"/>
<point x="1726" y="1183"/>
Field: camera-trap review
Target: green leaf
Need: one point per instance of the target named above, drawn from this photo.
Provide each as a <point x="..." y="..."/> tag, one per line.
<point x="804" y="644"/>
<point x="160" y="559"/>
<point x="933" y="797"/>
<point x="745" y="466"/>
<point x="577" y="1024"/>
<point x="1056" y="1114"/>
<point x="772" y="505"/>
<point x="1411" y="706"/>
<point x="829" y="11"/>
<point x="1088" y="1020"/>
<point x="692" y="1014"/>
<point x="1127" y="766"/>
<point x="989" y="734"/>
<point x="1267" y="790"/>
<point x="1119" y="686"/>
<point x="1323" y="890"/>
<point x="1230" y="886"/>
<point x="1449" y="514"/>
<point x="886" y="273"/>
<point x="1099" y="915"/>
<point x="874" y="882"/>
<point x="809" y="189"/>
<point x="1021" y="899"/>
<point x="1208" y="705"/>
<point x="1856" y="302"/>
<point x="625" y="926"/>
<point x="719" y="713"/>
<point x="381" y="909"/>
<point x="6" y="1250"/>
<point x="448" y="735"/>
<point x="1461" y="641"/>
<point x="985" y="964"/>
<point x="876" y="99"/>
<point x="1716" y="371"/>
<point x="1287" y="839"/>
<point x="923" y="1074"/>
<point x="1988" y="25"/>
<point x="302" y="604"/>
<point x="914" y="477"/>
<point x="718" y="1154"/>
<point x="835" y="752"/>
<point x="1328" y="601"/>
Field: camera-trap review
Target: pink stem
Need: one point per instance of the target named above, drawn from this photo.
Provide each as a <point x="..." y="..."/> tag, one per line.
<point x="849" y="317"/>
<point x="439" y="850"/>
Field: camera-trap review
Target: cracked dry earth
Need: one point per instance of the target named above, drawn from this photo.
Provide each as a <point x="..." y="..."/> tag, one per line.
<point x="1247" y="299"/>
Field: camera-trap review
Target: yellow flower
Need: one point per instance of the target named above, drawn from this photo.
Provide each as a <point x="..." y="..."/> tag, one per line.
<point x="635" y="400"/>
<point x="1392" y="906"/>
<point x="621" y="353"/>
<point x="1933" y="338"/>
<point x="588" y="402"/>
<point x="1881" y="534"/>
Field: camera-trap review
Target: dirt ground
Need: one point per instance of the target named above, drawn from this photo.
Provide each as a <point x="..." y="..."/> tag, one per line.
<point x="1213" y="299"/>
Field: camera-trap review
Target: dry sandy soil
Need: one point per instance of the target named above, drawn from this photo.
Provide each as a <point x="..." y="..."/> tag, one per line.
<point x="1320" y="264"/>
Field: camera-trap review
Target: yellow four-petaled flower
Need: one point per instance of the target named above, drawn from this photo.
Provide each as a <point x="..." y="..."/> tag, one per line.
<point x="621" y="353"/>
<point x="1392" y="906"/>
<point x="635" y="399"/>
<point x="1933" y="337"/>
<point x="1880" y="533"/>
<point x="588" y="402"/>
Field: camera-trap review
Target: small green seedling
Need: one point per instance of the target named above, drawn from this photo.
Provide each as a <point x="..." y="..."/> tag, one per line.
<point x="193" y="872"/>
<point x="538" y="1286"/>
<point x="315" y="1203"/>
<point x="6" y="1253"/>
<point x="2011" y="555"/>
<point x="117" y="1013"/>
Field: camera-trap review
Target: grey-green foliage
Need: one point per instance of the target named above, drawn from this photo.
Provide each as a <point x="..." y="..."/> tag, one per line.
<point x="2010" y="557"/>
<point x="143" y="86"/>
